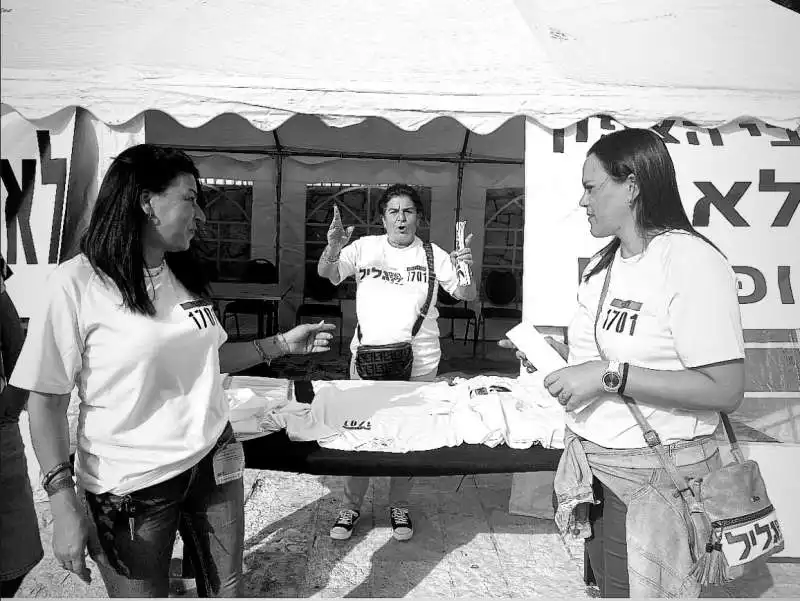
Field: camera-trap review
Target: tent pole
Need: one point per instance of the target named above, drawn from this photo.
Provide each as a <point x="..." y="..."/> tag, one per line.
<point x="467" y="160"/>
<point x="278" y="193"/>
<point x="461" y="159"/>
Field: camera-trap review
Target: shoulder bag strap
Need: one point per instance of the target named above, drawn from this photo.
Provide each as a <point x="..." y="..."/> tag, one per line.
<point x="650" y="435"/>
<point x="431" y="285"/>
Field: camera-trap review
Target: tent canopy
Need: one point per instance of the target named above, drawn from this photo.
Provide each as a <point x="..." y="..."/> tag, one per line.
<point x="478" y="61"/>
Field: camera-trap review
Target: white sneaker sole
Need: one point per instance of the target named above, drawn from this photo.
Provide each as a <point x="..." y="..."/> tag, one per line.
<point x="341" y="535"/>
<point x="402" y="536"/>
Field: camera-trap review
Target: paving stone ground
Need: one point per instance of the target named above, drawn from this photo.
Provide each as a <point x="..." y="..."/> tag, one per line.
<point x="466" y="544"/>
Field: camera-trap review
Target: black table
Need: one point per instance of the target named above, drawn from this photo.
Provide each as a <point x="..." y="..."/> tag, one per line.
<point x="277" y="452"/>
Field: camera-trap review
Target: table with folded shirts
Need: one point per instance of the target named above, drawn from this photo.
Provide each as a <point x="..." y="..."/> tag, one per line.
<point x="277" y="452"/>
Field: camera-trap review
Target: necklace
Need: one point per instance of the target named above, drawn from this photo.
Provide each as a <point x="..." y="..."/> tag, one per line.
<point x="153" y="272"/>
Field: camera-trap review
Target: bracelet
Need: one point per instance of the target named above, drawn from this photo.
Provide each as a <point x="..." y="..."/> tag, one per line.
<point x="58" y="484"/>
<point x="624" y="379"/>
<point x="261" y="352"/>
<point x="55" y="470"/>
<point x="282" y="344"/>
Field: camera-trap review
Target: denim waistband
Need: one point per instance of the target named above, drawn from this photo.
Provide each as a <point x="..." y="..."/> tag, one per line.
<point x="685" y="452"/>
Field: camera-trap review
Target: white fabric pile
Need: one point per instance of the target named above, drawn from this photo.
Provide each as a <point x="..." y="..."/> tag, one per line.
<point x="399" y="417"/>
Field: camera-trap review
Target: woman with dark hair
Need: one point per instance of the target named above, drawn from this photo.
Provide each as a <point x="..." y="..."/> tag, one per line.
<point x="392" y="273"/>
<point x="129" y="323"/>
<point x="20" y="545"/>
<point x="668" y="335"/>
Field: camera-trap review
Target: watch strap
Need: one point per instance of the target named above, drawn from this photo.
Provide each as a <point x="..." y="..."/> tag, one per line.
<point x="62" y="482"/>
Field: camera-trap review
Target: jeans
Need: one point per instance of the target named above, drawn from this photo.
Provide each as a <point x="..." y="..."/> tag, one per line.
<point x="136" y="532"/>
<point x="355" y="487"/>
<point x="655" y="524"/>
<point x="607" y="549"/>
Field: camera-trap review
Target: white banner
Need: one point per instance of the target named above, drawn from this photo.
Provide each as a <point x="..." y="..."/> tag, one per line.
<point x="740" y="187"/>
<point x="35" y="173"/>
<point x="50" y="192"/>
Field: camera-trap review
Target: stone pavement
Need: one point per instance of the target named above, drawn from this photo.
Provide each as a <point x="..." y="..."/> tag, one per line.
<point x="466" y="544"/>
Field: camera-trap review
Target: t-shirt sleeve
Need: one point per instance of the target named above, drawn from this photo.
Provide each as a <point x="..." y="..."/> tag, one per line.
<point x="348" y="259"/>
<point x="445" y="271"/>
<point x="51" y="357"/>
<point x="703" y="305"/>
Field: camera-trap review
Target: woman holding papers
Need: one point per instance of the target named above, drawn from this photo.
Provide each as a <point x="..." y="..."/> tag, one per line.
<point x="658" y="321"/>
<point x="394" y="288"/>
<point x="128" y="323"/>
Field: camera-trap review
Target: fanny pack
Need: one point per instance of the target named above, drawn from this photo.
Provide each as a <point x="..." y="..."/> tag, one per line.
<point x="394" y="361"/>
<point x="732" y="521"/>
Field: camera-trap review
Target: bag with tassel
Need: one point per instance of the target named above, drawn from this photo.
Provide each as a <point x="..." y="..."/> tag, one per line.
<point x="733" y="521"/>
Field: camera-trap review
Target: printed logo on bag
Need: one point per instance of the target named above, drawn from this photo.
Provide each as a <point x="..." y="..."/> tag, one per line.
<point x="622" y="316"/>
<point x="201" y="312"/>
<point x="744" y="543"/>
<point x="356" y="424"/>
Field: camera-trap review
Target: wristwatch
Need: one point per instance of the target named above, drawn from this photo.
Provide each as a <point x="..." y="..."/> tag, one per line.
<point x="612" y="377"/>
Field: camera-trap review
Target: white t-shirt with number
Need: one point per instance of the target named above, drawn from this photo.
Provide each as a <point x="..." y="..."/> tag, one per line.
<point x="672" y="307"/>
<point x="151" y="400"/>
<point x="392" y="288"/>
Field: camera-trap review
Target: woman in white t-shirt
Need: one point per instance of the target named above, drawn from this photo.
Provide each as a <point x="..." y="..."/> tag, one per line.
<point x="671" y="338"/>
<point x="128" y="323"/>
<point x="391" y="272"/>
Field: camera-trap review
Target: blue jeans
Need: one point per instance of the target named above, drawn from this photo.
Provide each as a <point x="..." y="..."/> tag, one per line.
<point x="648" y="516"/>
<point x="137" y="532"/>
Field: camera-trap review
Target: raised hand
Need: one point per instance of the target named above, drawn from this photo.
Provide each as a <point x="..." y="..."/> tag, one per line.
<point x="463" y="254"/>
<point x="338" y="236"/>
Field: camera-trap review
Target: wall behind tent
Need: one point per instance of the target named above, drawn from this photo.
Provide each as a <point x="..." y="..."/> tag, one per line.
<point x="51" y="170"/>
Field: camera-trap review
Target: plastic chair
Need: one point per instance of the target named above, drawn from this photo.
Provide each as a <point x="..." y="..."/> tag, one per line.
<point x="449" y="309"/>
<point x="321" y="292"/>
<point x="501" y="291"/>
<point x="258" y="271"/>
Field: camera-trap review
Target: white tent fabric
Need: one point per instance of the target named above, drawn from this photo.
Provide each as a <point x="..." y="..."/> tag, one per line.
<point x="478" y="61"/>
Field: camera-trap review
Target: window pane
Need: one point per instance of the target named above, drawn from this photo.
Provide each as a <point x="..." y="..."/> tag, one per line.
<point x="224" y="242"/>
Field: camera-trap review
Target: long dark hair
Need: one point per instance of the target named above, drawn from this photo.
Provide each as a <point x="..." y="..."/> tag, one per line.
<point x="113" y="240"/>
<point x="657" y="208"/>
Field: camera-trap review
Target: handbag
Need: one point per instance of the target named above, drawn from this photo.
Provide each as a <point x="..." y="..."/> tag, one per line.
<point x="732" y="520"/>
<point x="394" y="361"/>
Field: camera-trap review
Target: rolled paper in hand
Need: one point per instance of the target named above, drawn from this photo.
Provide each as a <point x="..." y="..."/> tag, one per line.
<point x="463" y="271"/>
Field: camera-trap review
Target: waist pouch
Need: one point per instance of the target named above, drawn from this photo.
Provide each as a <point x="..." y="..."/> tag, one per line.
<point x="385" y="361"/>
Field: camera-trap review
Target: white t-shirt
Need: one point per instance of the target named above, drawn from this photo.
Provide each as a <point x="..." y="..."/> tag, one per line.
<point x="392" y="288"/>
<point x="672" y="307"/>
<point x="151" y="400"/>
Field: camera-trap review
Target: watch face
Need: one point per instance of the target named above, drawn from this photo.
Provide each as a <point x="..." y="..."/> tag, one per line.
<point x="611" y="380"/>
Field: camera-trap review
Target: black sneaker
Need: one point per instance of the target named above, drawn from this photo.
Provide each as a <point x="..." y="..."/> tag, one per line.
<point x="402" y="528"/>
<point x="343" y="528"/>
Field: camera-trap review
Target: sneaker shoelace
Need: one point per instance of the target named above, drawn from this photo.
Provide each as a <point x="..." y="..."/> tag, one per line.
<point x="347" y="518"/>
<point x="400" y="516"/>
